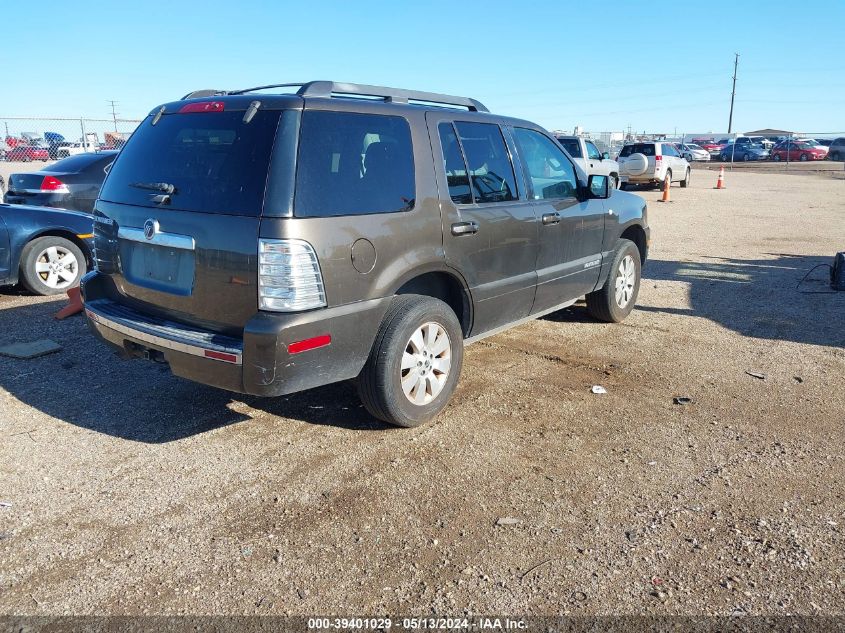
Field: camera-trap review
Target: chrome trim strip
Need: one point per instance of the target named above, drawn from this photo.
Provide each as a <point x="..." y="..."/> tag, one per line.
<point x="98" y="319"/>
<point x="169" y="240"/>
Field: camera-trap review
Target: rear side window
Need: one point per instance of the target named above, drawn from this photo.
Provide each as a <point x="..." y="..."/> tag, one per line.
<point x="456" y="168"/>
<point x="216" y="162"/>
<point x="353" y="164"/>
<point x="489" y="163"/>
<point x="572" y="146"/>
<point x="646" y="149"/>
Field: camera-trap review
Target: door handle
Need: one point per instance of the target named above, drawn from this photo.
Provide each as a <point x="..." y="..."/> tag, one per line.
<point x="551" y="218"/>
<point x="464" y="228"/>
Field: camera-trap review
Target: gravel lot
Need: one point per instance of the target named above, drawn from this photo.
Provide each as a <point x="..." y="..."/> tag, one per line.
<point x="136" y="492"/>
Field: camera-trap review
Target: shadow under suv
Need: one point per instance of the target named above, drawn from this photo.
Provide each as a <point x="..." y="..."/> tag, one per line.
<point x="276" y="239"/>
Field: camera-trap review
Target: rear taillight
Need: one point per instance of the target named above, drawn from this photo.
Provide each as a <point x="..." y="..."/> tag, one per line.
<point x="658" y="158"/>
<point x="203" y="106"/>
<point x="51" y="183"/>
<point x="289" y="277"/>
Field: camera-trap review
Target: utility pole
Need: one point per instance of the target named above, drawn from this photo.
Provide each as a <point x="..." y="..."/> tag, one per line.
<point x="733" y="94"/>
<point x="114" y="114"/>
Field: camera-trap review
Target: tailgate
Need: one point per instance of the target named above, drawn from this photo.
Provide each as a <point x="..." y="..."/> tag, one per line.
<point x="176" y="224"/>
<point x="197" y="268"/>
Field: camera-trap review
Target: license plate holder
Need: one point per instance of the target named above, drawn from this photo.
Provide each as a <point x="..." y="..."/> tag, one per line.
<point x="158" y="267"/>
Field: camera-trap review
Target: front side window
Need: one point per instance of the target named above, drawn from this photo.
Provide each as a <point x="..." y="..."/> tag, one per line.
<point x="552" y="175"/>
<point x="455" y="165"/>
<point x="490" y="169"/>
<point x="353" y="164"/>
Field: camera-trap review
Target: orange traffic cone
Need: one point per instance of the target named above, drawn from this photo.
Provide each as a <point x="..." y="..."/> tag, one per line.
<point x="666" y="184"/>
<point x="720" y="183"/>
<point x="74" y="305"/>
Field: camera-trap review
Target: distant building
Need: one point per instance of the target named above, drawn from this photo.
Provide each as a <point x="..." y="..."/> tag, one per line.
<point x="771" y="132"/>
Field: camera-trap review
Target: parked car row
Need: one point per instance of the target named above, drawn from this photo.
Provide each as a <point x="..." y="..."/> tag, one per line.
<point x="746" y="148"/>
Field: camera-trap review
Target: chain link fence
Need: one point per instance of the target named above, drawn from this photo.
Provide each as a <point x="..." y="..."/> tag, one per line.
<point x="31" y="139"/>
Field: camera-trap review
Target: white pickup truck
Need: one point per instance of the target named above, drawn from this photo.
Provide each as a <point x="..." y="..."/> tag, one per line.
<point x="587" y="155"/>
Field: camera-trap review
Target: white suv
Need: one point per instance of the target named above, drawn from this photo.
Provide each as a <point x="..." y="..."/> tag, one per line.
<point x="652" y="163"/>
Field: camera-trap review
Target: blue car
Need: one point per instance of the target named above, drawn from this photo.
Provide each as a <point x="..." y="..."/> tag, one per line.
<point x="743" y="152"/>
<point x="46" y="250"/>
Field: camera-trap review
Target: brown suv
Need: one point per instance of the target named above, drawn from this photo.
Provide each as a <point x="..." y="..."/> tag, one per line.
<point x="276" y="239"/>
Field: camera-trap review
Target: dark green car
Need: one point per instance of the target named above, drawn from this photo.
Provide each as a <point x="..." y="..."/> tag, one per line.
<point x="272" y="240"/>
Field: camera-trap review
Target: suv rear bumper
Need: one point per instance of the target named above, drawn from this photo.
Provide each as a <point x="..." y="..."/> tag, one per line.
<point x="258" y="363"/>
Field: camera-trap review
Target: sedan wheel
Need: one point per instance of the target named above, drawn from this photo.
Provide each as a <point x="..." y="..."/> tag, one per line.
<point x="803" y="158"/>
<point x="776" y="158"/>
<point x="57" y="267"/>
<point x="50" y="265"/>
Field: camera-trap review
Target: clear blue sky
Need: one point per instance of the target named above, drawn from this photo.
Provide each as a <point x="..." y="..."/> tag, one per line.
<point x="602" y="65"/>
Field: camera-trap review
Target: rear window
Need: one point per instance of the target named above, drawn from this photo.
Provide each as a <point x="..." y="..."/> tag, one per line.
<point x="646" y="149"/>
<point x="216" y="162"/>
<point x="572" y="146"/>
<point x="353" y="164"/>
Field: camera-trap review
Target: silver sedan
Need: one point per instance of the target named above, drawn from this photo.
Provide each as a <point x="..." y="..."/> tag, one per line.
<point x="692" y="152"/>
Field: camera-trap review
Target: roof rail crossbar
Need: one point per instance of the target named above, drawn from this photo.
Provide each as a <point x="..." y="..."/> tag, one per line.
<point x="245" y="90"/>
<point x="396" y="95"/>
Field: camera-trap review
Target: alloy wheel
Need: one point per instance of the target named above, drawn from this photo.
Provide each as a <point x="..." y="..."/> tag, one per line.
<point x="626" y="277"/>
<point x="57" y="267"/>
<point x="426" y="363"/>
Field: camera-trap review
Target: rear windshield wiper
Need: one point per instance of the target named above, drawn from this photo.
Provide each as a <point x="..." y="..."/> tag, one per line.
<point x="164" y="187"/>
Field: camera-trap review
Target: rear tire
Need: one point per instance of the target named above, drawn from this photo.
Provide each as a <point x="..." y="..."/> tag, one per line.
<point x="618" y="296"/>
<point x="415" y="362"/>
<point x="776" y="158"/>
<point x="685" y="181"/>
<point x="834" y="156"/>
<point x="51" y="265"/>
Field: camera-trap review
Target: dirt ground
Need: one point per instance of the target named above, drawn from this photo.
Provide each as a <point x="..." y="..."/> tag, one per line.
<point x="135" y="492"/>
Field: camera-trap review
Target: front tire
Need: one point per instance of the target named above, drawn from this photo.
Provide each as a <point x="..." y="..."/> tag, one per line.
<point x="618" y="296"/>
<point x="685" y="181"/>
<point x="803" y="158"/>
<point x="415" y="362"/>
<point x="51" y="265"/>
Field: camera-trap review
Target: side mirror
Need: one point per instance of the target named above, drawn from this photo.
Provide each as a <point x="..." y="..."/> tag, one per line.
<point x="605" y="155"/>
<point x="598" y="186"/>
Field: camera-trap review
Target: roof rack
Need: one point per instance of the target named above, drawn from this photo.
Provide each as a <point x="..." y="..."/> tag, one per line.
<point x="205" y="92"/>
<point x="328" y="89"/>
